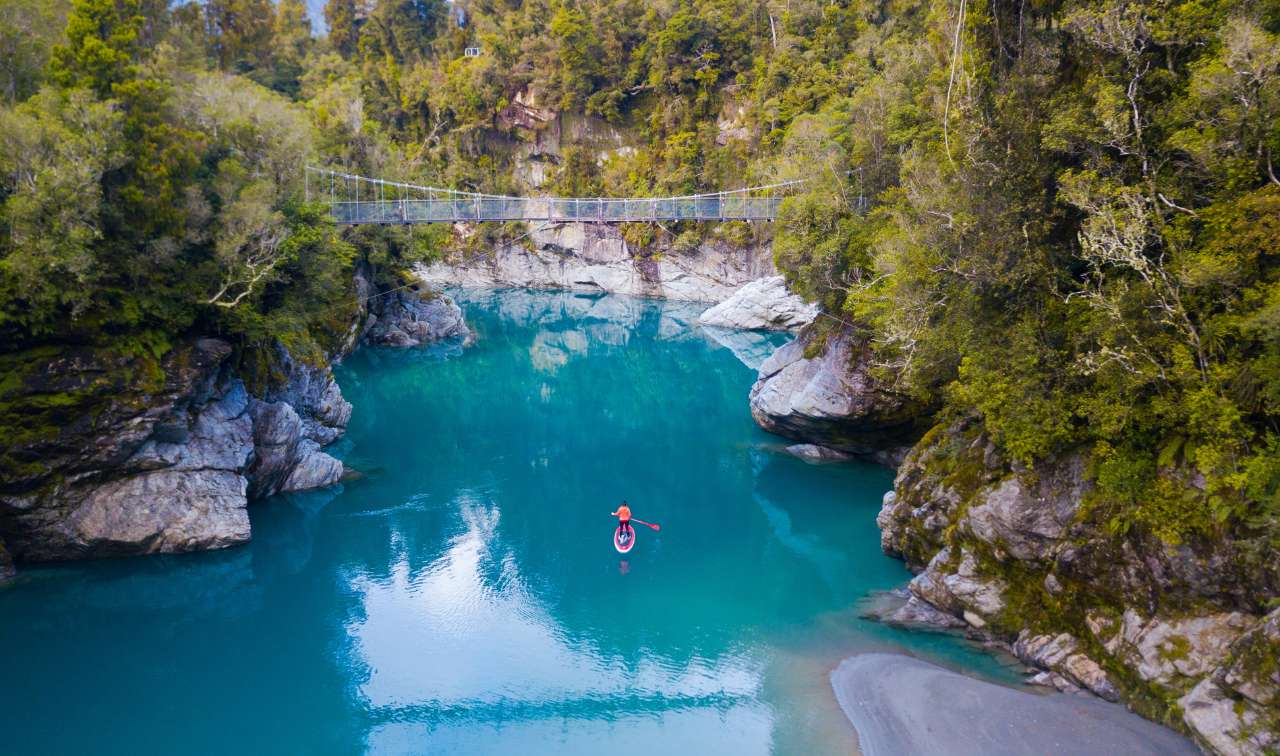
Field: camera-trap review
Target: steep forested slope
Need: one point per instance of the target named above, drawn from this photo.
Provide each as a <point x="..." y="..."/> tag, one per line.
<point x="1051" y="226"/>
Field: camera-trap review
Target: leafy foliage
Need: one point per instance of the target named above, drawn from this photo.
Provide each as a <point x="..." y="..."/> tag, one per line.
<point x="1057" y="219"/>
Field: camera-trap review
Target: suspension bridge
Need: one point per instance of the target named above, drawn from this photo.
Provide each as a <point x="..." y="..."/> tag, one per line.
<point x="355" y="200"/>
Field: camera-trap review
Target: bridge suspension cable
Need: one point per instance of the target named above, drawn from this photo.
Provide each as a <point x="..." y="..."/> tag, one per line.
<point x="415" y="203"/>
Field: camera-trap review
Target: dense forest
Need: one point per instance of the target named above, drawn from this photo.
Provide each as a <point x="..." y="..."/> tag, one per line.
<point x="1057" y="218"/>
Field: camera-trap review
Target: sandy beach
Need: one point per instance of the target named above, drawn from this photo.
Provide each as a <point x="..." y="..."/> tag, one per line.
<point x="902" y="705"/>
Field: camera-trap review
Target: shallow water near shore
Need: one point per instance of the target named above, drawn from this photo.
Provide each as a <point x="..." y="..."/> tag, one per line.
<point x="464" y="595"/>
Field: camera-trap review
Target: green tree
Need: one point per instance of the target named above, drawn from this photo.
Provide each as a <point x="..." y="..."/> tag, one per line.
<point x="579" y="55"/>
<point x="291" y="40"/>
<point x="28" y="32"/>
<point x="240" y="32"/>
<point x="344" y="28"/>
<point x="54" y="152"/>
<point x="102" y="45"/>
<point x="396" y="38"/>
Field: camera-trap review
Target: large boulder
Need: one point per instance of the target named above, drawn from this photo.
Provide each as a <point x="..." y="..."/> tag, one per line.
<point x="763" y="304"/>
<point x="1063" y="655"/>
<point x="292" y="420"/>
<point x="823" y="391"/>
<point x="955" y="583"/>
<point x="282" y="449"/>
<point x="406" y="317"/>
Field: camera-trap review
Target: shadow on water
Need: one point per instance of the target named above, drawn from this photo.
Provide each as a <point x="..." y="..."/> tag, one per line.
<point x="464" y="595"/>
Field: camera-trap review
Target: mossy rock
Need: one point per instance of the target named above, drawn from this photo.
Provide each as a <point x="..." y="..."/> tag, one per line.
<point x="57" y="401"/>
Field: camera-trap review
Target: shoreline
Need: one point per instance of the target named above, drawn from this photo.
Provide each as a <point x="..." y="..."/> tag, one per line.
<point x="903" y="705"/>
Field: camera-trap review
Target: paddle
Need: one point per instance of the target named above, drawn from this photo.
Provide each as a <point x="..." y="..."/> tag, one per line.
<point x="650" y="524"/>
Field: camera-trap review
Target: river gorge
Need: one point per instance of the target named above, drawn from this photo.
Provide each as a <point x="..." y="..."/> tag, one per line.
<point x="463" y="594"/>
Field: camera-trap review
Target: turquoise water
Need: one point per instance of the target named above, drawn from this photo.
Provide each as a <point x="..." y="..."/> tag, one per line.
<point x="465" y="597"/>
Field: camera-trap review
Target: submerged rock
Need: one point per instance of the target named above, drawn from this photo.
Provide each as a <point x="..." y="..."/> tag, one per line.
<point x="763" y="304"/>
<point x="900" y="608"/>
<point x="751" y="348"/>
<point x="831" y="398"/>
<point x="6" y="564"/>
<point x="815" y="453"/>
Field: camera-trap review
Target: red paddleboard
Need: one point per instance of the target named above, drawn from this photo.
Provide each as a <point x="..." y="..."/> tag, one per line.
<point x="623" y="543"/>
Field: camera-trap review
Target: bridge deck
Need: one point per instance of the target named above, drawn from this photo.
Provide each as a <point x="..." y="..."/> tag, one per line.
<point x="393" y="202"/>
<point x="704" y="208"/>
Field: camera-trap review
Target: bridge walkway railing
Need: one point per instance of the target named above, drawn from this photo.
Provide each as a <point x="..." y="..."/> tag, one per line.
<point x="599" y="210"/>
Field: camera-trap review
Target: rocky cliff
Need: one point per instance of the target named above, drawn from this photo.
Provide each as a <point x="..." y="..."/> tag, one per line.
<point x="596" y="258"/>
<point x="822" y="389"/>
<point x="1183" y="633"/>
<point x="158" y="456"/>
<point x="121" y="452"/>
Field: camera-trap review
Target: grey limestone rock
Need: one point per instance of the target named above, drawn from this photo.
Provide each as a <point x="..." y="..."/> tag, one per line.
<point x="410" y="318"/>
<point x="831" y="398"/>
<point x="593" y="257"/>
<point x="1028" y="520"/>
<point x="174" y="469"/>
<point x="763" y="304"/>
<point x="1062" y="655"/>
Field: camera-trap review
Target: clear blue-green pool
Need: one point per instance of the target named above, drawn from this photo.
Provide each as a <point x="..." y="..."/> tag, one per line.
<point x="465" y="597"/>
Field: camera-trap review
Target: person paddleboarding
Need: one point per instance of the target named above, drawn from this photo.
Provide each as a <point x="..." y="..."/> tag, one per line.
<point x="625" y="536"/>
<point x="623" y="514"/>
